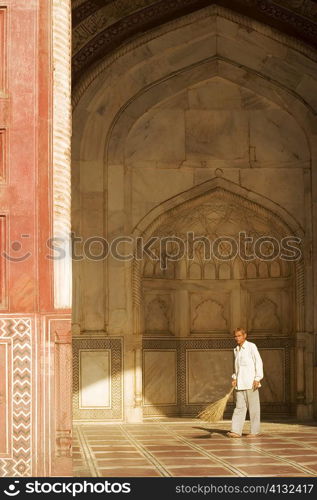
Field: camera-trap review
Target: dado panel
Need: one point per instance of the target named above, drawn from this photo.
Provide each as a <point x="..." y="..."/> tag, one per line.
<point x="97" y="378"/>
<point x="94" y="378"/>
<point x="208" y="375"/>
<point x="159" y="383"/>
<point x="203" y="368"/>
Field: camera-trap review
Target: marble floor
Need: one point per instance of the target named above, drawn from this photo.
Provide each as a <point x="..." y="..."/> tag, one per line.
<point x="190" y="448"/>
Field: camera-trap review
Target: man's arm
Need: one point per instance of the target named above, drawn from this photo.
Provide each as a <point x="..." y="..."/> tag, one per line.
<point x="258" y="365"/>
<point x="234" y="376"/>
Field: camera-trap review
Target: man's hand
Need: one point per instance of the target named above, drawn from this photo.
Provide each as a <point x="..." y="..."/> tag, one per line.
<point x="234" y="382"/>
<point x="256" y="384"/>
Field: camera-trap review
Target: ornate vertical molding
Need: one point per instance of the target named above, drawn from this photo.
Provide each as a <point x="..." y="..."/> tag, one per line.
<point x="61" y="151"/>
<point x="136" y="297"/>
<point x="300" y="296"/>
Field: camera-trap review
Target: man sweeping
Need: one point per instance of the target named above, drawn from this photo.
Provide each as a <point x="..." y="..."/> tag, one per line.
<point x="246" y="380"/>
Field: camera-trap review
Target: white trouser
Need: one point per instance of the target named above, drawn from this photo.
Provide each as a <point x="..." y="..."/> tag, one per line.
<point x="246" y="400"/>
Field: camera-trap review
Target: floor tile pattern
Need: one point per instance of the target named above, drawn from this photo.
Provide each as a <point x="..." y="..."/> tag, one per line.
<point x="190" y="448"/>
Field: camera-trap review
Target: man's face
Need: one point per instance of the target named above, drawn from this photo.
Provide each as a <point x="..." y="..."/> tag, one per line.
<point x="240" y="337"/>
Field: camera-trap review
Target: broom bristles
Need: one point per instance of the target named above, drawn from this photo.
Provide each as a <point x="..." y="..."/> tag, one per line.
<point x="215" y="411"/>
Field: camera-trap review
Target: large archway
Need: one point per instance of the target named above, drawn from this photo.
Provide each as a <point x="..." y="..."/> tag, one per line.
<point x="187" y="306"/>
<point x="201" y="97"/>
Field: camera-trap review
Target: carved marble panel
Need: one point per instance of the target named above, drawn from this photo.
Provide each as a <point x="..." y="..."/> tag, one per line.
<point x="159" y="382"/>
<point x="266" y="315"/>
<point x="159" y="313"/>
<point x="267" y="307"/>
<point x="210" y="312"/>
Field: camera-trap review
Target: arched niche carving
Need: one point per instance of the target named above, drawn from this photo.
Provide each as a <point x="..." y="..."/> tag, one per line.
<point x="211" y="192"/>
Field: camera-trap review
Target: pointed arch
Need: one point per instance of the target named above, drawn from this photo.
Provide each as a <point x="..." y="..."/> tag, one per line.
<point x="229" y="191"/>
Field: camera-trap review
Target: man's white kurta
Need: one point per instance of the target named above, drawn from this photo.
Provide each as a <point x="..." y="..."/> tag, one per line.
<point x="248" y="365"/>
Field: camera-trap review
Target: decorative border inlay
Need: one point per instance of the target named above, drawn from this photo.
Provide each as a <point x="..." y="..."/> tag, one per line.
<point x="19" y="331"/>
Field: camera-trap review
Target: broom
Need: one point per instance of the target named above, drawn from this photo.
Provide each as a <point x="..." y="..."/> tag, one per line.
<point x="214" y="412"/>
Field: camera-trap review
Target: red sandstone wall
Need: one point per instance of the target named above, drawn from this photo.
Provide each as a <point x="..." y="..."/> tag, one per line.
<point x="31" y="332"/>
